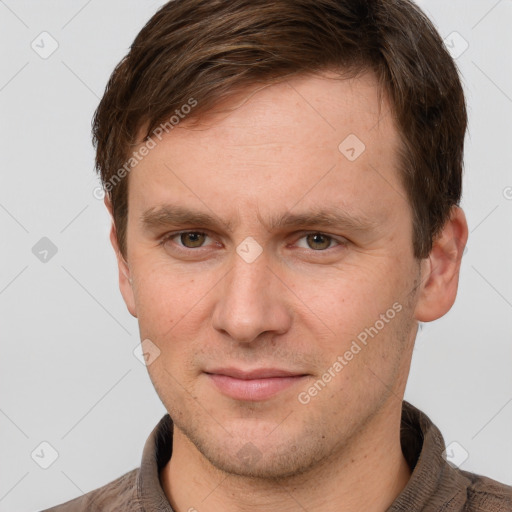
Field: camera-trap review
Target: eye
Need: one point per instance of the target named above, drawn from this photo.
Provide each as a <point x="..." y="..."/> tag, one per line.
<point x="188" y="239"/>
<point x="318" y="241"/>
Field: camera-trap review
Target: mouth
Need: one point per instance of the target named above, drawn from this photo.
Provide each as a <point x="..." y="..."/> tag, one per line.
<point x="254" y="385"/>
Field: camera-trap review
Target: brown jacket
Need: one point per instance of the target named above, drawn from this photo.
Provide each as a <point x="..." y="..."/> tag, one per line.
<point x="434" y="486"/>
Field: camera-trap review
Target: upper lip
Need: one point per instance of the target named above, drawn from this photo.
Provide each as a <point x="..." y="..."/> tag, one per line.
<point x="257" y="373"/>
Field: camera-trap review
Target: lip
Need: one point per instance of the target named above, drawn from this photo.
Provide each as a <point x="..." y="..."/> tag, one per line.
<point x="257" y="373"/>
<point x="253" y="385"/>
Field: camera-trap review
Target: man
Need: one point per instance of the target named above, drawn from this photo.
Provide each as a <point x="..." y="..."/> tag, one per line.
<point x="284" y="179"/>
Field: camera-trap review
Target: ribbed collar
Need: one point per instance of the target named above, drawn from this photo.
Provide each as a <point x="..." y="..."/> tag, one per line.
<point x="434" y="485"/>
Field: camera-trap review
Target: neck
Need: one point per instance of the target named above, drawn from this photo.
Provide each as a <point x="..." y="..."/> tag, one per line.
<point x="368" y="473"/>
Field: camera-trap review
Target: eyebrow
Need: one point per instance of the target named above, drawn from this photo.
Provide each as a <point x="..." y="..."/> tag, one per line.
<point x="173" y="215"/>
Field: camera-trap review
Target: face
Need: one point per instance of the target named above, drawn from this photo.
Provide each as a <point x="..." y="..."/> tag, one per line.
<point x="271" y="265"/>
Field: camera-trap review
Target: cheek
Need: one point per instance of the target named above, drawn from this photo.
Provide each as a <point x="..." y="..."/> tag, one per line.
<point x="345" y="300"/>
<point x="364" y="315"/>
<point x="165" y="299"/>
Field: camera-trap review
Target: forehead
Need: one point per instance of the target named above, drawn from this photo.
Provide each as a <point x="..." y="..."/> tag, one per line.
<point x="312" y="139"/>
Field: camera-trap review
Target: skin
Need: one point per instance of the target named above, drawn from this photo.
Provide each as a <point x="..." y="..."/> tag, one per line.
<point x="298" y="306"/>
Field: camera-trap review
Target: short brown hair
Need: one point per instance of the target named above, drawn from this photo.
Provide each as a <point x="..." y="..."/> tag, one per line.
<point x="207" y="49"/>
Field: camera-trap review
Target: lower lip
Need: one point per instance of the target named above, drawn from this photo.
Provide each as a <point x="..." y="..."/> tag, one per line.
<point x="253" y="389"/>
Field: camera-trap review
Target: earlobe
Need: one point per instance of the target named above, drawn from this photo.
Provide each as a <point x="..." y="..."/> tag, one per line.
<point x="440" y="271"/>
<point x="125" y="278"/>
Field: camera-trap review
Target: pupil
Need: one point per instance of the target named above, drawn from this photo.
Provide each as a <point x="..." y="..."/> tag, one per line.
<point x="318" y="238"/>
<point x="191" y="239"/>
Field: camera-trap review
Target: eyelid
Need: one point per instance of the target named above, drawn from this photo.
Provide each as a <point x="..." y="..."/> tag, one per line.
<point x="340" y="241"/>
<point x="169" y="236"/>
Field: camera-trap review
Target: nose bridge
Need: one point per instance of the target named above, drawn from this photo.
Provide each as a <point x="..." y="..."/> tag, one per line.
<point x="249" y="279"/>
<point x="249" y="302"/>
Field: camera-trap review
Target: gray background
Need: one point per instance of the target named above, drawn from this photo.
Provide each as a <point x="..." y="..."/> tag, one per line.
<point x="68" y="375"/>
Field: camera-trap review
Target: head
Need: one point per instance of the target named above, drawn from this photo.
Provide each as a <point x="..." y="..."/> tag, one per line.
<point x="312" y="152"/>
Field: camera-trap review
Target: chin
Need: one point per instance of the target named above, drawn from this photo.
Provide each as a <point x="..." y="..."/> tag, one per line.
<point x="262" y="455"/>
<point x="250" y="462"/>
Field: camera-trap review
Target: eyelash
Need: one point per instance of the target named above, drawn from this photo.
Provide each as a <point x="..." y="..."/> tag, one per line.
<point x="170" y="236"/>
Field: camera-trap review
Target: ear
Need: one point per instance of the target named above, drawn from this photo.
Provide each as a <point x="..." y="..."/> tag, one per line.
<point x="440" y="271"/>
<point x="125" y="278"/>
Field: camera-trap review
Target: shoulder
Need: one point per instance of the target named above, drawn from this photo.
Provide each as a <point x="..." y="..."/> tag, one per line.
<point x="487" y="495"/>
<point x="118" y="495"/>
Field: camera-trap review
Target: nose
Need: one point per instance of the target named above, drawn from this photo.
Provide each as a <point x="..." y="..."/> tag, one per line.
<point x="251" y="301"/>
